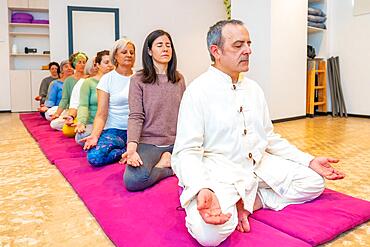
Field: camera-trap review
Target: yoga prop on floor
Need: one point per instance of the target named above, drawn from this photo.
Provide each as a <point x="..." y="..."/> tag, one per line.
<point x="152" y="218"/>
<point x="337" y="98"/>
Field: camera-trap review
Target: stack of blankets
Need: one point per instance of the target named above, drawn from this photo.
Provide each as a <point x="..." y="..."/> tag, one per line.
<point x="316" y="18"/>
<point x="21" y="17"/>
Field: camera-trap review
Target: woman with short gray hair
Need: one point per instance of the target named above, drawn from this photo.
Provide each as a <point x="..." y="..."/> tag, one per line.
<point x="107" y="141"/>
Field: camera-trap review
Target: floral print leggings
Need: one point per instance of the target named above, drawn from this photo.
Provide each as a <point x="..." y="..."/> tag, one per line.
<point x="111" y="145"/>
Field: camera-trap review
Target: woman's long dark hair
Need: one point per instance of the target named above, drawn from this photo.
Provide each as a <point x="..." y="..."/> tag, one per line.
<point x="149" y="73"/>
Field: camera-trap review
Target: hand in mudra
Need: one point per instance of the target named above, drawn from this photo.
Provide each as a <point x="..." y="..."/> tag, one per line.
<point x="80" y="128"/>
<point x="209" y="208"/>
<point x="43" y="109"/>
<point x="90" y="141"/>
<point x="131" y="158"/>
<point x="322" y="165"/>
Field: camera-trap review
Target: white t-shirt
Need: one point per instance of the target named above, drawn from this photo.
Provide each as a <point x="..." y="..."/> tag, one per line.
<point x="117" y="86"/>
<point x="75" y="95"/>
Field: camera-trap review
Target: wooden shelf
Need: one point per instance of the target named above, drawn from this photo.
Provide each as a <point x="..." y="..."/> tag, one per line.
<point x="30" y="54"/>
<point x="27" y="25"/>
<point x="314" y="29"/>
<point x="319" y="87"/>
<point x="319" y="103"/>
<point x="318" y="70"/>
<point x="28" y="9"/>
<point x="28" y="34"/>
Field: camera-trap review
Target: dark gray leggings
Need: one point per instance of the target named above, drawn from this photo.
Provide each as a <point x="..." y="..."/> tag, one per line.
<point x="140" y="178"/>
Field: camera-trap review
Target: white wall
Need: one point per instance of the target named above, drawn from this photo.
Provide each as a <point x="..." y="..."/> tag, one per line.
<point x="278" y="31"/>
<point x="349" y="39"/>
<point x="4" y="59"/>
<point x="58" y="18"/>
<point x="186" y="21"/>
<point x="287" y="96"/>
<point x="257" y="17"/>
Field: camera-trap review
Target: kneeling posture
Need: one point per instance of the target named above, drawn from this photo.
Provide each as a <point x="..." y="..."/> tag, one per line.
<point x="154" y="100"/>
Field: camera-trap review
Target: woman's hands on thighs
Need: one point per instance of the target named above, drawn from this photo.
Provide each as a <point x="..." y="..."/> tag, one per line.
<point x="131" y="158"/>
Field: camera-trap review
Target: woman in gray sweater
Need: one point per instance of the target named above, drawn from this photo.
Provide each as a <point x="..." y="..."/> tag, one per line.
<point x="154" y="100"/>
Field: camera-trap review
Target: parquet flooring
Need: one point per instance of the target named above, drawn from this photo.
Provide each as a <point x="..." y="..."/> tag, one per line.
<point x="39" y="208"/>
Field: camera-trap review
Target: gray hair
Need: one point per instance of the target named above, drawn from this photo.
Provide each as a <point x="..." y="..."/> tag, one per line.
<point x="64" y="62"/>
<point x="89" y="65"/>
<point x="214" y="35"/>
<point x="121" y="43"/>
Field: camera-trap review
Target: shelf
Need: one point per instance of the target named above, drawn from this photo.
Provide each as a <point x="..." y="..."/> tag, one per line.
<point x="28" y="34"/>
<point x="27" y="25"/>
<point x="319" y="103"/>
<point x="317" y="70"/>
<point x="28" y="9"/>
<point x="319" y="87"/>
<point x="30" y="54"/>
<point x="315" y="29"/>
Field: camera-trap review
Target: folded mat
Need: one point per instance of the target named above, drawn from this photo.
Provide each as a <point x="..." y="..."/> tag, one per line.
<point x="151" y="218"/>
<point x="320" y="220"/>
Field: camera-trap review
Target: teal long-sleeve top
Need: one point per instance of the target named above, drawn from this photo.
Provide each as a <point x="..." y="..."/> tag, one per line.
<point x="69" y="83"/>
<point x="88" y="101"/>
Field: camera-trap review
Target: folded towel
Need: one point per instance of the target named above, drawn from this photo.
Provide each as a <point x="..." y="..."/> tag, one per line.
<point x="315" y="18"/>
<point x="22" y="15"/>
<point x="20" y="20"/>
<point x="317" y="12"/>
<point x="318" y="25"/>
<point x="40" y="21"/>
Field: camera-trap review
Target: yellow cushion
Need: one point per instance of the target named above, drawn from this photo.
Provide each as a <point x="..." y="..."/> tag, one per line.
<point x="69" y="131"/>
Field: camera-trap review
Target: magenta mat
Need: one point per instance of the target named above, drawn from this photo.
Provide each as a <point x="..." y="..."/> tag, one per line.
<point x="151" y="218"/>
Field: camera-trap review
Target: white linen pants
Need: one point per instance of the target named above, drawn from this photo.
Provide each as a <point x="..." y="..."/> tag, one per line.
<point x="58" y="123"/>
<point x="50" y="112"/>
<point x="304" y="185"/>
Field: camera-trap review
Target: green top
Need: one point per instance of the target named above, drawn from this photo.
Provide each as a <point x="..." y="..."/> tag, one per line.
<point x="88" y="101"/>
<point x="69" y="83"/>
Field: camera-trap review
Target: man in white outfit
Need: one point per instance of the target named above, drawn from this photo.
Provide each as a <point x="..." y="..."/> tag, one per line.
<point x="226" y="155"/>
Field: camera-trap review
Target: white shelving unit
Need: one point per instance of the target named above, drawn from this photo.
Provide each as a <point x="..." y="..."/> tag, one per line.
<point x="26" y="69"/>
<point x="317" y="37"/>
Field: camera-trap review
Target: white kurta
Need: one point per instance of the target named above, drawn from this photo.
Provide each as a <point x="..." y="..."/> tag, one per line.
<point x="223" y="134"/>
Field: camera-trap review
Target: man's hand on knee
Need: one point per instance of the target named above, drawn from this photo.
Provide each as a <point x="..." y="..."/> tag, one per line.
<point x="209" y="208"/>
<point x="322" y="165"/>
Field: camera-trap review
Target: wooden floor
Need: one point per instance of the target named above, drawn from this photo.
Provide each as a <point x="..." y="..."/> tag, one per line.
<point x="39" y="208"/>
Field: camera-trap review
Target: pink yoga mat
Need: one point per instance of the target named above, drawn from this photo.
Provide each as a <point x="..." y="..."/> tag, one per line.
<point x="151" y="218"/>
<point x="124" y="215"/>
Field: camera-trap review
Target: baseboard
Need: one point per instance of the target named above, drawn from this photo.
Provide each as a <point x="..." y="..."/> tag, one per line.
<point x="5" y="111"/>
<point x="350" y="115"/>
<point x="358" y="115"/>
<point x="288" y="119"/>
<point x="317" y="114"/>
<point x="322" y="113"/>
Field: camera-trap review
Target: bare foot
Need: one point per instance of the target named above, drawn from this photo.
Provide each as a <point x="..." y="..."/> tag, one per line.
<point x="165" y="160"/>
<point x="243" y="223"/>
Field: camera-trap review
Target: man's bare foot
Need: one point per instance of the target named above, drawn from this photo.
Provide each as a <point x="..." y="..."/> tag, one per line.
<point x="165" y="160"/>
<point x="243" y="223"/>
